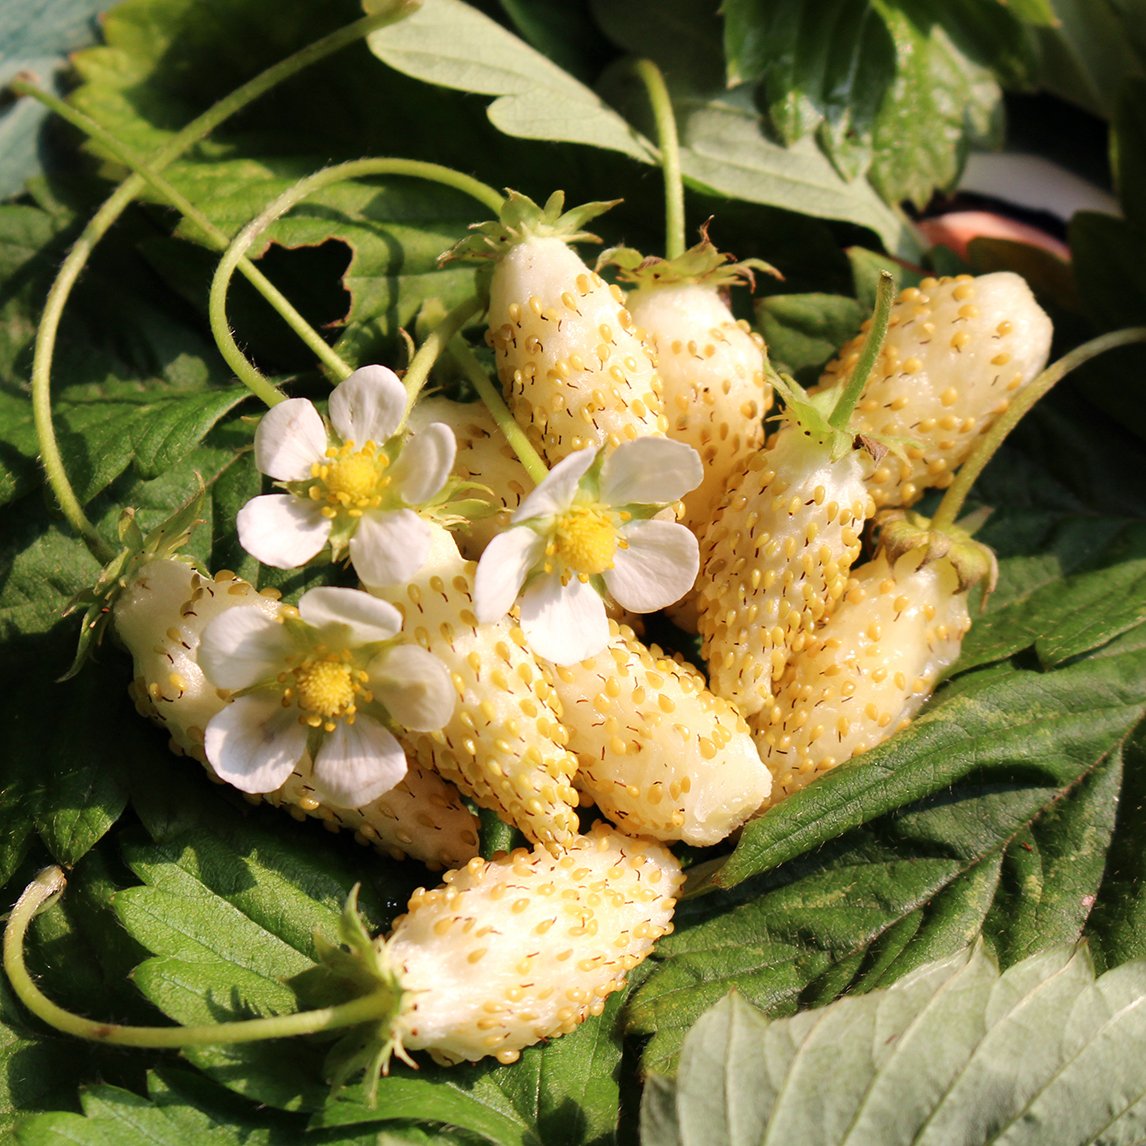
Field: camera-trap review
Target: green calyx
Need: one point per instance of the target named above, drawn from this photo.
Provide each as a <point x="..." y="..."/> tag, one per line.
<point x="900" y="531"/>
<point x="521" y="219"/>
<point x="167" y="539"/>
<point x="355" y="967"/>
<point x="828" y="414"/>
<point x="703" y="264"/>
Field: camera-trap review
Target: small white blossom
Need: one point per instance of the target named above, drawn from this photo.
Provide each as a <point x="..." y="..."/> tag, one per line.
<point x="593" y="527"/>
<point x="353" y="488"/>
<point x="326" y="678"/>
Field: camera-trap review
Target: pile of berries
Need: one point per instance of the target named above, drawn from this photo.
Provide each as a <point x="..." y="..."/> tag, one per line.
<point x="494" y="659"/>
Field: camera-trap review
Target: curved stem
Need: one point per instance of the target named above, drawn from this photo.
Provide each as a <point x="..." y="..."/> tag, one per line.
<point x="431" y="350"/>
<point x="669" y="144"/>
<point x="100" y="223"/>
<point x="869" y="352"/>
<point x="242" y="242"/>
<point x="491" y="396"/>
<point x="43" y="891"/>
<point x="952" y="504"/>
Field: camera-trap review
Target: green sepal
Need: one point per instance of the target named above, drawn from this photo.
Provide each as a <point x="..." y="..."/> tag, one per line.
<point x="900" y="531"/>
<point x="354" y="967"/>
<point x="521" y="219"/>
<point x="166" y="540"/>
<point x="703" y="264"/>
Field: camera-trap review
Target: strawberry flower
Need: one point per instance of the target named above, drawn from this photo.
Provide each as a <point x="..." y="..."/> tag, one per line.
<point x="352" y="487"/>
<point x="326" y="679"/>
<point x="593" y="528"/>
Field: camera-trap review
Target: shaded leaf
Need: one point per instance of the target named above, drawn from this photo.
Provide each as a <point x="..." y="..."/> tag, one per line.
<point x="954" y="1053"/>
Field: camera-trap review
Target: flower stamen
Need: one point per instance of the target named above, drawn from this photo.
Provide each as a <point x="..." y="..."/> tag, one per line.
<point x="350" y="480"/>
<point x="584" y="539"/>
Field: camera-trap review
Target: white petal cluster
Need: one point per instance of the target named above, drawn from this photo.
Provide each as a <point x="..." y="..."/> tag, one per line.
<point x="593" y="528"/>
<point x="354" y="486"/>
<point x="328" y="677"/>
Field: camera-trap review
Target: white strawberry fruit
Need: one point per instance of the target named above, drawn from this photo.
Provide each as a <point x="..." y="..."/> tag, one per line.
<point x="504" y="745"/>
<point x="712" y="366"/>
<point x="775" y="559"/>
<point x="484" y="460"/>
<point x="660" y="755"/>
<point x="957" y="352"/>
<point x="878" y="658"/>
<point x="574" y="370"/>
<point x="526" y="946"/>
<point x="160" y="616"/>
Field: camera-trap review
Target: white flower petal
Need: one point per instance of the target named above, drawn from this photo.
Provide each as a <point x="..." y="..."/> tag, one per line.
<point x="242" y="647"/>
<point x="368" y="406"/>
<point x="289" y="440"/>
<point x="650" y="471"/>
<point x="364" y="619"/>
<point x="389" y="547"/>
<point x="424" y="463"/>
<point x="413" y="686"/>
<point x="658" y="567"/>
<point x="254" y="743"/>
<point x="563" y="623"/>
<point x="282" y="530"/>
<point x="357" y="763"/>
<point x="557" y="491"/>
<point x="505" y="563"/>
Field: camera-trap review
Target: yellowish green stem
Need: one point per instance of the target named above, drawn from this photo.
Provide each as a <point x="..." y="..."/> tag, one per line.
<point x="669" y="143"/>
<point x="242" y="242"/>
<point x="877" y="331"/>
<point x="491" y="396"/>
<point x="114" y="206"/>
<point x="431" y="350"/>
<point x="42" y="892"/>
<point x="952" y="504"/>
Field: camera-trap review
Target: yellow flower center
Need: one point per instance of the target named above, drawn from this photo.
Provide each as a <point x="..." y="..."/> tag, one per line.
<point x="350" y="480"/>
<point x="326" y="688"/>
<point x="584" y="540"/>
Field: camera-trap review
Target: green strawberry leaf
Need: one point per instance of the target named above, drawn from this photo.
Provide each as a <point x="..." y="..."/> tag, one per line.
<point x="955" y="1052"/>
<point x="449" y="43"/>
<point x="823" y="888"/>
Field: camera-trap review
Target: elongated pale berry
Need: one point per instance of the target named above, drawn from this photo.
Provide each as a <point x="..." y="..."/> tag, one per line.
<point x="504" y="745"/>
<point x="574" y="369"/>
<point x="957" y="351"/>
<point x="660" y="754"/>
<point x="526" y="946"/>
<point x="160" y="617"/>
<point x="711" y="368"/>
<point x="484" y="459"/>
<point x="869" y="669"/>
<point x="775" y="559"/>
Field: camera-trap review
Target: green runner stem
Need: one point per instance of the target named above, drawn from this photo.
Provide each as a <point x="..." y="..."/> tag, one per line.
<point x="43" y="891"/>
<point x="669" y="144"/>
<point x="101" y="222"/>
<point x="491" y="396"/>
<point x="242" y="242"/>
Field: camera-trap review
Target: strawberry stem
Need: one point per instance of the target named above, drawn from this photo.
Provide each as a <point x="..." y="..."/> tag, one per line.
<point x="669" y="144"/>
<point x="877" y="330"/>
<point x="102" y="221"/>
<point x="952" y="504"/>
<point x="506" y="422"/>
<point x="431" y="350"/>
<point x="45" y="889"/>
<point x="242" y="242"/>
